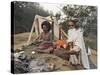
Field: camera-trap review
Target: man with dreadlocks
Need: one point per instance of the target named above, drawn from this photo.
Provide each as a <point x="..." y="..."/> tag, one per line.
<point x="45" y="37"/>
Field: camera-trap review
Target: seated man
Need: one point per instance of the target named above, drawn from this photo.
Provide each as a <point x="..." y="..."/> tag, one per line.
<point x="75" y="35"/>
<point x="45" y="38"/>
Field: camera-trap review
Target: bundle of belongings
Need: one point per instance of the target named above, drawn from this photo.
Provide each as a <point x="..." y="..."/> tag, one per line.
<point x="61" y="44"/>
<point x="67" y="50"/>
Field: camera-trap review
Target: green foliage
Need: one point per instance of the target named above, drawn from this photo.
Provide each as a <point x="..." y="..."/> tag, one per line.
<point x="64" y="26"/>
<point x="91" y="42"/>
<point x="86" y="17"/>
<point x="24" y="13"/>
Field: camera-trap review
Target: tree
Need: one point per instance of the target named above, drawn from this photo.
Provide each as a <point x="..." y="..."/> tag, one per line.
<point x="24" y="13"/>
<point x="86" y="17"/>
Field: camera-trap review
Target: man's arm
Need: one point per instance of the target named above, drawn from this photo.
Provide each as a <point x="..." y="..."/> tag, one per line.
<point x="74" y="50"/>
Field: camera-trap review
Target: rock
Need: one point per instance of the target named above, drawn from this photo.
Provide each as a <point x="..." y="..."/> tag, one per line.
<point x="22" y="57"/>
<point x="51" y="66"/>
<point x="17" y="54"/>
<point x="33" y="52"/>
<point x="36" y="65"/>
<point x="39" y="65"/>
<point x="21" y="67"/>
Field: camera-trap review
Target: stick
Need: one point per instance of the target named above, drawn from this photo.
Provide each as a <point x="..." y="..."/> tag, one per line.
<point x="64" y="33"/>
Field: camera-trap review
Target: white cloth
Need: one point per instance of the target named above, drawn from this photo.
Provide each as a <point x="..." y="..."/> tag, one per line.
<point x="76" y="36"/>
<point x="89" y="51"/>
<point x="73" y="58"/>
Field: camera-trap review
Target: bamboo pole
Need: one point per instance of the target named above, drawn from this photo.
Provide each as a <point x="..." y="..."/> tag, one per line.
<point x="29" y="38"/>
<point x="64" y="33"/>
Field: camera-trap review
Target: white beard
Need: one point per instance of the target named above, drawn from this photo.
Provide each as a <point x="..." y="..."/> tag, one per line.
<point x="72" y="34"/>
<point x="76" y="36"/>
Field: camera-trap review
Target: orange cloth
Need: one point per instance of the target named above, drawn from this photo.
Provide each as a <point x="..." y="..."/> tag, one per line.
<point x="60" y="43"/>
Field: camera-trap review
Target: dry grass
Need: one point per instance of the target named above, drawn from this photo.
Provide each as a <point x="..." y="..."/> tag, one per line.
<point x="21" y="39"/>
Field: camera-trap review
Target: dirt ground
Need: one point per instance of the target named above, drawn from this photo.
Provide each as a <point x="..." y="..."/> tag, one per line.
<point x="21" y="40"/>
